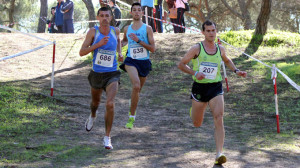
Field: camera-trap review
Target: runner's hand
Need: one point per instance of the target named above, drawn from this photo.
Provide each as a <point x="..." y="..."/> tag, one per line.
<point x="120" y="59"/>
<point x="133" y="37"/>
<point x="200" y="76"/>
<point x="103" y="41"/>
<point x="242" y="73"/>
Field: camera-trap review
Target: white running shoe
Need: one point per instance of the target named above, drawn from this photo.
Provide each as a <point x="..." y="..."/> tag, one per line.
<point x="90" y="122"/>
<point x="107" y="143"/>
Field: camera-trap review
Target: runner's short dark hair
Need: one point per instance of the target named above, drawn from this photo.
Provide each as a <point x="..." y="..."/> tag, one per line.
<point x="208" y="23"/>
<point x="103" y="9"/>
<point x="135" y="4"/>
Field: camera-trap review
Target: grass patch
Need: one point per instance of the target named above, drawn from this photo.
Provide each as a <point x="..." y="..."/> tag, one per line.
<point x="76" y="154"/>
<point x="25" y="117"/>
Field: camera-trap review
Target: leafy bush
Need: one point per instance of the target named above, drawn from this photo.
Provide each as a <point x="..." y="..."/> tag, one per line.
<point x="273" y="38"/>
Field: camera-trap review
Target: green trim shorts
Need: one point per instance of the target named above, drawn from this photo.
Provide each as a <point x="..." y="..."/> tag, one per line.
<point x="204" y="92"/>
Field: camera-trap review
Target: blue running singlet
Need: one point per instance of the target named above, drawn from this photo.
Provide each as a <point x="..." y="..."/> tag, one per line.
<point x="104" y="57"/>
<point x="135" y="50"/>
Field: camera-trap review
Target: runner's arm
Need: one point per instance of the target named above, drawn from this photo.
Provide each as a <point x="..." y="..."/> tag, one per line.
<point x="228" y="62"/>
<point x="182" y="65"/>
<point x="125" y="40"/>
<point x="151" y="45"/>
<point x="86" y="45"/>
<point x="66" y="7"/>
<point x="119" y="47"/>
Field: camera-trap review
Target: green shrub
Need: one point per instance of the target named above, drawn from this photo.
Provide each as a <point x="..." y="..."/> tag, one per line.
<point x="273" y="38"/>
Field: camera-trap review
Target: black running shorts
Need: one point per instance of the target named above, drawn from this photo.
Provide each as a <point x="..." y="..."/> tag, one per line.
<point x="204" y="92"/>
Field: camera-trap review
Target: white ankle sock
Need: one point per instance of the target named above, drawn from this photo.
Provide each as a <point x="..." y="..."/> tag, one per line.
<point x="132" y="116"/>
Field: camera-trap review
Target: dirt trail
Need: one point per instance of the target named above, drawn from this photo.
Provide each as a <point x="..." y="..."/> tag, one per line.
<point x="163" y="135"/>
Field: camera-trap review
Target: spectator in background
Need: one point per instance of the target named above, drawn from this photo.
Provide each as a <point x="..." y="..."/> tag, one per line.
<point x="68" y="9"/>
<point x="158" y="15"/>
<point x="51" y="23"/>
<point x="116" y="11"/>
<point x="180" y="15"/>
<point x="59" y="17"/>
<point x="103" y="3"/>
<point x="149" y="5"/>
<point x="172" y="4"/>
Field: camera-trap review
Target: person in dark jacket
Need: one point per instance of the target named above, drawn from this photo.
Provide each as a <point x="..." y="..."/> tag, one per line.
<point x="158" y="15"/>
<point x="148" y="4"/>
<point x="59" y="22"/>
<point x="51" y="23"/>
<point x="116" y="11"/>
<point x="68" y="17"/>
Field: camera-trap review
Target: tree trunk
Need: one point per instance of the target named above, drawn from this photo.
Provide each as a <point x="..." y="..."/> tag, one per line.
<point x="298" y="22"/>
<point x="11" y="13"/>
<point x="263" y="18"/>
<point x="43" y="16"/>
<point x="261" y="27"/>
<point x="90" y="8"/>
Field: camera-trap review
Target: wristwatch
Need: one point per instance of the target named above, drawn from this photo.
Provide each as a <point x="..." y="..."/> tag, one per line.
<point x="236" y="70"/>
<point x="139" y="41"/>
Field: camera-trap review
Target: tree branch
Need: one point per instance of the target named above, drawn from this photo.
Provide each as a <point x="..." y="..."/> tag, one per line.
<point x="207" y="6"/>
<point x="248" y="3"/>
<point x="232" y="10"/>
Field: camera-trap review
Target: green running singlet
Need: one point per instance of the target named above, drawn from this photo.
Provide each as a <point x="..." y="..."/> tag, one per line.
<point x="208" y="64"/>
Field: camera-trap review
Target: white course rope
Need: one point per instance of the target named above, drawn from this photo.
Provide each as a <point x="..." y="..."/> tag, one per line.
<point x="246" y="54"/>
<point x="124" y="3"/>
<point x="284" y="75"/>
<point x="10" y="29"/>
<point x="25" y="52"/>
<point x="91" y="21"/>
<point x="28" y="51"/>
<point x="289" y="80"/>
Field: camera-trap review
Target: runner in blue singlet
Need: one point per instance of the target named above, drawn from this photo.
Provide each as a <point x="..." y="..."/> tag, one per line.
<point x="137" y="63"/>
<point x="103" y="42"/>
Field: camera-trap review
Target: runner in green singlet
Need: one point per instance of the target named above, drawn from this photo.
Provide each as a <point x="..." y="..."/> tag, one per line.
<point x="207" y="87"/>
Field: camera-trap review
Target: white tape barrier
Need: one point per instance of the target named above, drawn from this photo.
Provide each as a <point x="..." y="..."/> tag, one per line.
<point x="164" y="21"/>
<point x="274" y="73"/>
<point x="25" y="52"/>
<point x="124" y="3"/>
<point x="289" y="80"/>
<point x="98" y="20"/>
<point x="13" y="30"/>
<point x="43" y="19"/>
<point x="11" y="24"/>
<point x="28" y="51"/>
<point x="246" y="54"/>
<point x="284" y="75"/>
